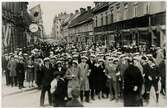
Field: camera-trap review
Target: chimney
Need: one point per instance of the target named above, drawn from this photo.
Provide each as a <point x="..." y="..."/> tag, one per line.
<point x="82" y="10"/>
<point x="88" y="8"/>
<point x="71" y="14"/>
<point x="76" y="11"/>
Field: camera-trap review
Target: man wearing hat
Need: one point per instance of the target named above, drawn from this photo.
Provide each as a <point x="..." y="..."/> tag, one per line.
<point x="91" y="63"/>
<point x="20" y="69"/>
<point x="152" y="78"/>
<point x="145" y="65"/>
<point x="53" y="62"/>
<point x="133" y="81"/>
<point x="100" y="79"/>
<point x="47" y="77"/>
<point x="59" y="67"/>
<point x="111" y="69"/>
<point x="69" y="60"/>
<point x="12" y="68"/>
<point x="122" y="66"/>
<point x="83" y="70"/>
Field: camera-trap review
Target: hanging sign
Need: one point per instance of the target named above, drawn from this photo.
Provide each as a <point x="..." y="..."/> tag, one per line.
<point x="33" y="27"/>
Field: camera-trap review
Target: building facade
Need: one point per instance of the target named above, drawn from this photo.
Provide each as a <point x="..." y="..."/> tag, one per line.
<point x="130" y="23"/>
<point x="65" y="26"/>
<point x="15" y="24"/>
<point x="81" y="28"/>
<point x="57" y="25"/>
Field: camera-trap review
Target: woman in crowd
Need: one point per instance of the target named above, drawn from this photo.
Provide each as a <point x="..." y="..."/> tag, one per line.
<point x="30" y="72"/>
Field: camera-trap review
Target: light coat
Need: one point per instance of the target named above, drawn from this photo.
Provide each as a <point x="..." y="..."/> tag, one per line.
<point x="12" y="67"/>
<point x="83" y="69"/>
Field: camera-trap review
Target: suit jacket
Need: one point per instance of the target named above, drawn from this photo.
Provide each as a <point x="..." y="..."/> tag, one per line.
<point x="111" y="71"/>
<point x="47" y="76"/>
<point x="92" y="68"/>
<point x="20" y="68"/>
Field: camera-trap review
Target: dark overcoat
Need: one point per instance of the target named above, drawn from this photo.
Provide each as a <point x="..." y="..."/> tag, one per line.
<point x="132" y="77"/>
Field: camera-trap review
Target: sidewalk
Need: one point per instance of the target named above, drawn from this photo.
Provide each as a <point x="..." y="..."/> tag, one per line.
<point x="8" y="90"/>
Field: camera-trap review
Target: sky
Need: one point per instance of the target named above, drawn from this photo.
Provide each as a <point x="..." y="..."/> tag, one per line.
<point x="50" y="9"/>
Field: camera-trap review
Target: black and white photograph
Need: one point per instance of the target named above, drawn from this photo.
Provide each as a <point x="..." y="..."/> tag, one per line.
<point x="83" y="53"/>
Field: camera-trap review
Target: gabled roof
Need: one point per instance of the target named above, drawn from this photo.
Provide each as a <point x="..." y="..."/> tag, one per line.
<point x="82" y="18"/>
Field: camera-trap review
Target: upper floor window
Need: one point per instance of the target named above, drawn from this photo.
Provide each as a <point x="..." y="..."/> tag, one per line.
<point x="106" y="18"/>
<point x="118" y="7"/>
<point x="135" y="9"/>
<point x="112" y="19"/>
<point x="125" y="12"/>
<point x="118" y="12"/>
<point x="126" y="5"/>
<point x="96" y="21"/>
<point x="101" y="19"/>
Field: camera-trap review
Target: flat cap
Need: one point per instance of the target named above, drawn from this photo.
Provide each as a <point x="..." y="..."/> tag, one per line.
<point x="46" y="59"/>
<point x="84" y="57"/>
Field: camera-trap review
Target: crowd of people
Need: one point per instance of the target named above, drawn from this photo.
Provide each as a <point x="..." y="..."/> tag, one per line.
<point x="67" y="73"/>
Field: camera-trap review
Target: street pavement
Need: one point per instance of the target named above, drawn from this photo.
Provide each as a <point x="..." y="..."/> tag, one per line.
<point x="8" y="90"/>
<point x="32" y="99"/>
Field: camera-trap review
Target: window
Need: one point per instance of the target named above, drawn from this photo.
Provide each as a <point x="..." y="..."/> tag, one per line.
<point x="101" y="19"/>
<point x="118" y="6"/>
<point x="126" y="5"/>
<point x="106" y="18"/>
<point x="135" y="9"/>
<point x="112" y="16"/>
<point x="118" y="12"/>
<point x="125" y="11"/>
<point x="96" y="21"/>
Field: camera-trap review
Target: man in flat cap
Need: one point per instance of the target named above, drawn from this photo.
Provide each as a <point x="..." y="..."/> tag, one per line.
<point x="83" y="69"/>
<point x="20" y="69"/>
<point x="47" y="77"/>
<point x="111" y="70"/>
<point x="153" y="77"/>
<point x="12" y="68"/>
<point x="91" y="63"/>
